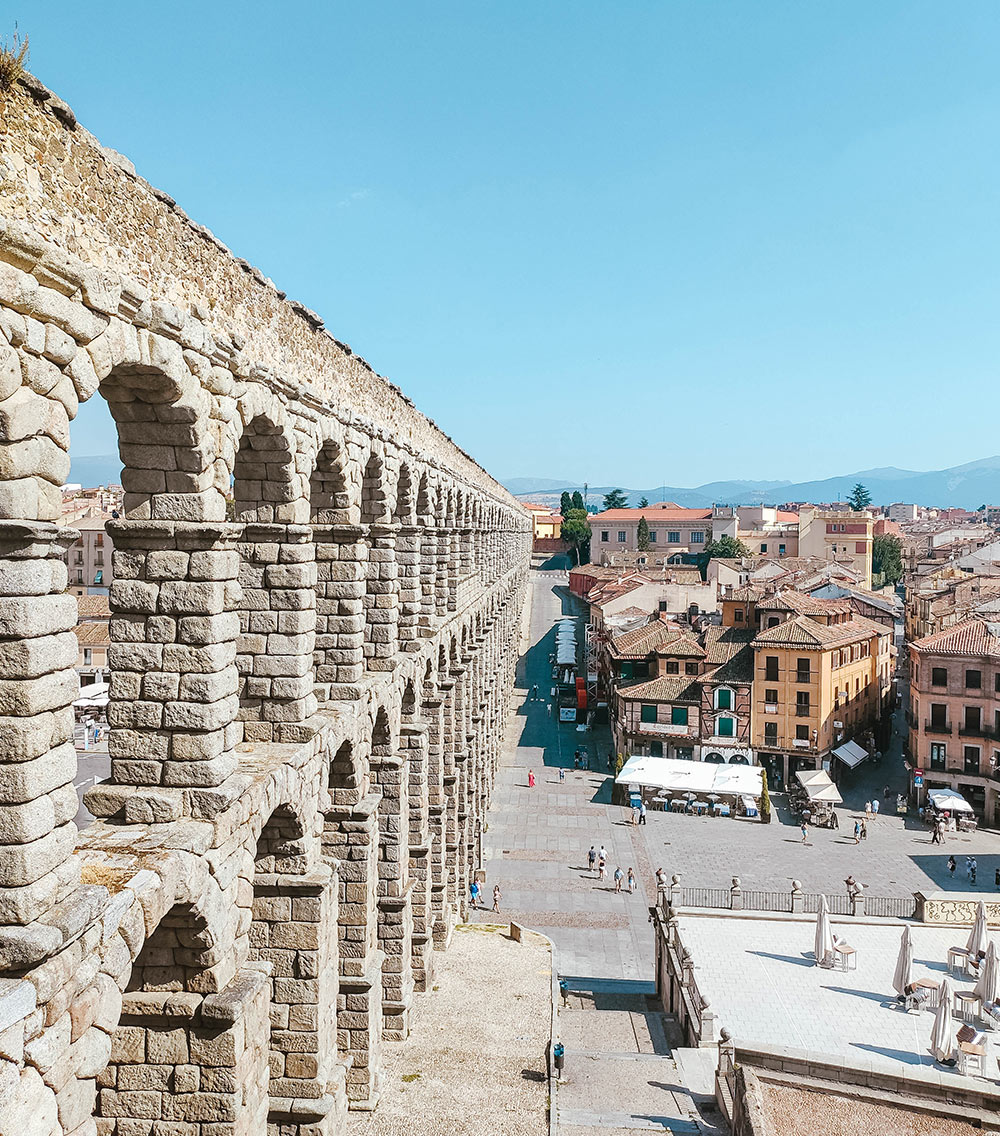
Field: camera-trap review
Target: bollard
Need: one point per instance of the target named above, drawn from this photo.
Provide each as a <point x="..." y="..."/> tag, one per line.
<point x="559" y="1057"/>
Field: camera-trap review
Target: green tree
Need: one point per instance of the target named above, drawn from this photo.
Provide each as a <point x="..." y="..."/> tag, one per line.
<point x="616" y="499"/>
<point x="860" y="498"/>
<point x="643" y="502"/>
<point x="578" y="500"/>
<point x="725" y="548"/>
<point x="565" y="502"/>
<point x="642" y="535"/>
<point x="887" y="558"/>
<point x="765" y="799"/>
<point x="576" y="533"/>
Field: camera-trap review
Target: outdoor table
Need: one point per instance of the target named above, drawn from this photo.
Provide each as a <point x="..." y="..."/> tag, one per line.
<point x="967" y="1005"/>
<point x="848" y="956"/>
<point x="700" y="806"/>
<point x="958" y="958"/>
<point x="934" y="988"/>
<point x="722" y="810"/>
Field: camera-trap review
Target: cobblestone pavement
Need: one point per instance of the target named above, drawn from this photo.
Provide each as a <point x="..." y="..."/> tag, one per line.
<point x="537" y="841"/>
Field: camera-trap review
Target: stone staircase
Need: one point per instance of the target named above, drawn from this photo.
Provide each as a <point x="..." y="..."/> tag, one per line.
<point x="622" y="1075"/>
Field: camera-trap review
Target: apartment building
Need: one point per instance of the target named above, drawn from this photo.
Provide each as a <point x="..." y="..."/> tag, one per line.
<point x="844" y="536"/>
<point x="767" y="531"/>
<point x="945" y="598"/>
<point x="954" y="714"/>
<point x="819" y="681"/>
<point x="89" y="557"/>
<point x="672" y="529"/>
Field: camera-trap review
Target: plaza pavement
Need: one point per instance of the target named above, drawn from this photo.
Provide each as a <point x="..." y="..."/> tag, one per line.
<point x="537" y="839"/>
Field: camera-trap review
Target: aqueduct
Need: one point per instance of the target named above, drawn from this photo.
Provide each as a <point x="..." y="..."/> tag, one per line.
<point x="315" y="611"/>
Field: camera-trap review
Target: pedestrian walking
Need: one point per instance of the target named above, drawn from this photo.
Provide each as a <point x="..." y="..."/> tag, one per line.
<point x="834" y="819"/>
<point x="805" y="831"/>
<point x="852" y="886"/>
<point x="635" y="814"/>
<point x="864" y="830"/>
<point x="968" y="867"/>
<point x="562" y="773"/>
<point x="996" y="878"/>
<point x="875" y="808"/>
<point x="973" y="867"/>
<point x="868" y="809"/>
<point x="592" y="857"/>
<point x="531" y="779"/>
<point x="631" y="881"/>
<point x="886" y="792"/>
<point x="534" y="693"/>
<point x="642" y="812"/>
<point x="619" y="876"/>
<point x="497" y="896"/>
<point x="951" y="866"/>
<point x="474" y="893"/>
<point x="857" y="831"/>
<point x="602" y="872"/>
<point x="936" y="835"/>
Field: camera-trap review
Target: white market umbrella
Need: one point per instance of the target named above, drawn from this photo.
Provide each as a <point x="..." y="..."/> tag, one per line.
<point x="943" y="1033"/>
<point x="823" y="946"/>
<point x="904" y="963"/>
<point x="979" y="936"/>
<point x="989" y="976"/>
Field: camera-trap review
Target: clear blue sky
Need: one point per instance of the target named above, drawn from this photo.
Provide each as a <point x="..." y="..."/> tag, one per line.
<point x="630" y="242"/>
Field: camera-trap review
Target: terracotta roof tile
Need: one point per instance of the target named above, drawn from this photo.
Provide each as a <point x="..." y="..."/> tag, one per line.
<point x="805" y="632"/>
<point x="92" y="607"/>
<point x="659" y="636"/>
<point x="974" y="637"/>
<point x="653" y="515"/>
<point x="666" y="688"/>
<point x="94" y="633"/>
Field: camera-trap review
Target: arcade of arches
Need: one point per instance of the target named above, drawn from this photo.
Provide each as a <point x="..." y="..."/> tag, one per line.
<point x="316" y="606"/>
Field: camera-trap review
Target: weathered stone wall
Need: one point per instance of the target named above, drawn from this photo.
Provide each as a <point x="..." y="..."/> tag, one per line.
<point x="314" y="625"/>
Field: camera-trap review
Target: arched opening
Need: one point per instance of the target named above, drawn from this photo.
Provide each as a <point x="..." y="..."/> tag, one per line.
<point x="739" y="759"/>
<point x="381" y="591"/>
<point x="177" y="1041"/>
<point x="329" y="495"/>
<point x="715" y="758"/>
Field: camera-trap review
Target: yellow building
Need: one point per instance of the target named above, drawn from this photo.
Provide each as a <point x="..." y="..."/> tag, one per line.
<point x="845" y="537"/>
<point x="818" y="682"/>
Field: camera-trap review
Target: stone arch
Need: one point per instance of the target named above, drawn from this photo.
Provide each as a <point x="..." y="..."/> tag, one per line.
<point x="381" y="599"/>
<point x="329" y="487"/>
<point x="265" y="485"/>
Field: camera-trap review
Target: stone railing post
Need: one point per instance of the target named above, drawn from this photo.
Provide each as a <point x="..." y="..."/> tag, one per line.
<point x="708" y="1033"/>
<point x="858" y="902"/>
<point x="798" y="899"/>
<point x="736" y="895"/>
<point x="174" y="681"/>
<point x="38" y="683"/>
<point x="674" y="891"/>
<point x="727" y="1054"/>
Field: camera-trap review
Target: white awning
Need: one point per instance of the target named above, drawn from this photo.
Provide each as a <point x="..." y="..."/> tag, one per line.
<point x="698" y="777"/>
<point x="818" y="786"/>
<point x="851" y="754"/>
<point x="948" y="799"/>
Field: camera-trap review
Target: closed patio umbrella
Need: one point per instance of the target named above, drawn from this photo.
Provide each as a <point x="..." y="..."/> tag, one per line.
<point x="979" y="937"/>
<point x="989" y="976"/>
<point x="823" y="946"/>
<point x="904" y="963"/>
<point x="943" y="1033"/>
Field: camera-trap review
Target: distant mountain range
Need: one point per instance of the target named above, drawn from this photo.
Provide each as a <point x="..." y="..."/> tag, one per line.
<point x="962" y="486"/>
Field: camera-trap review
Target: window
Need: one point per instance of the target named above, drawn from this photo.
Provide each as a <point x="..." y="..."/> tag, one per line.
<point x="738" y="615"/>
<point x="770" y="733"/>
<point x="724" y="699"/>
<point x="771" y="668"/>
<point x="98" y="577"/>
<point x="973" y="719"/>
<point x="860" y="547"/>
<point x="79" y="577"/>
<point x="621" y="536"/>
<point x="99" y="559"/>
<point x="697" y="538"/>
<point x="690" y="668"/>
<point x="662" y="605"/>
<point x="724" y="728"/>
<point x="647" y="713"/>
<point x="671" y="667"/>
<point x="604" y="536"/>
<point x="938" y="755"/>
<point x="652" y="536"/>
<point x="802" y="703"/>
<point x="973" y="680"/>
<point x="971" y="759"/>
<point x="678" y="715"/>
<point x="99" y="540"/>
<point x="79" y="558"/>
<point x="802" y="733"/>
<point x="996" y="682"/>
<point x="684" y="753"/>
<point x="763" y="548"/>
<point x="801" y="670"/>
<point x="88" y="656"/>
<point x="673" y="537"/>
<point x="773" y="621"/>
<point x="656" y="749"/>
<point x="771" y="696"/>
<point x="781" y="550"/>
<point x="939" y="716"/>
<point x="939" y="676"/>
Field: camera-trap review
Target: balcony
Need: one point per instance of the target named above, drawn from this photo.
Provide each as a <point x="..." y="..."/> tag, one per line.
<point x="943" y="728"/>
<point x="981" y="731"/>
<point x="802" y="711"/>
<point x="770" y="708"/>
<point x="806" y="745"/>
